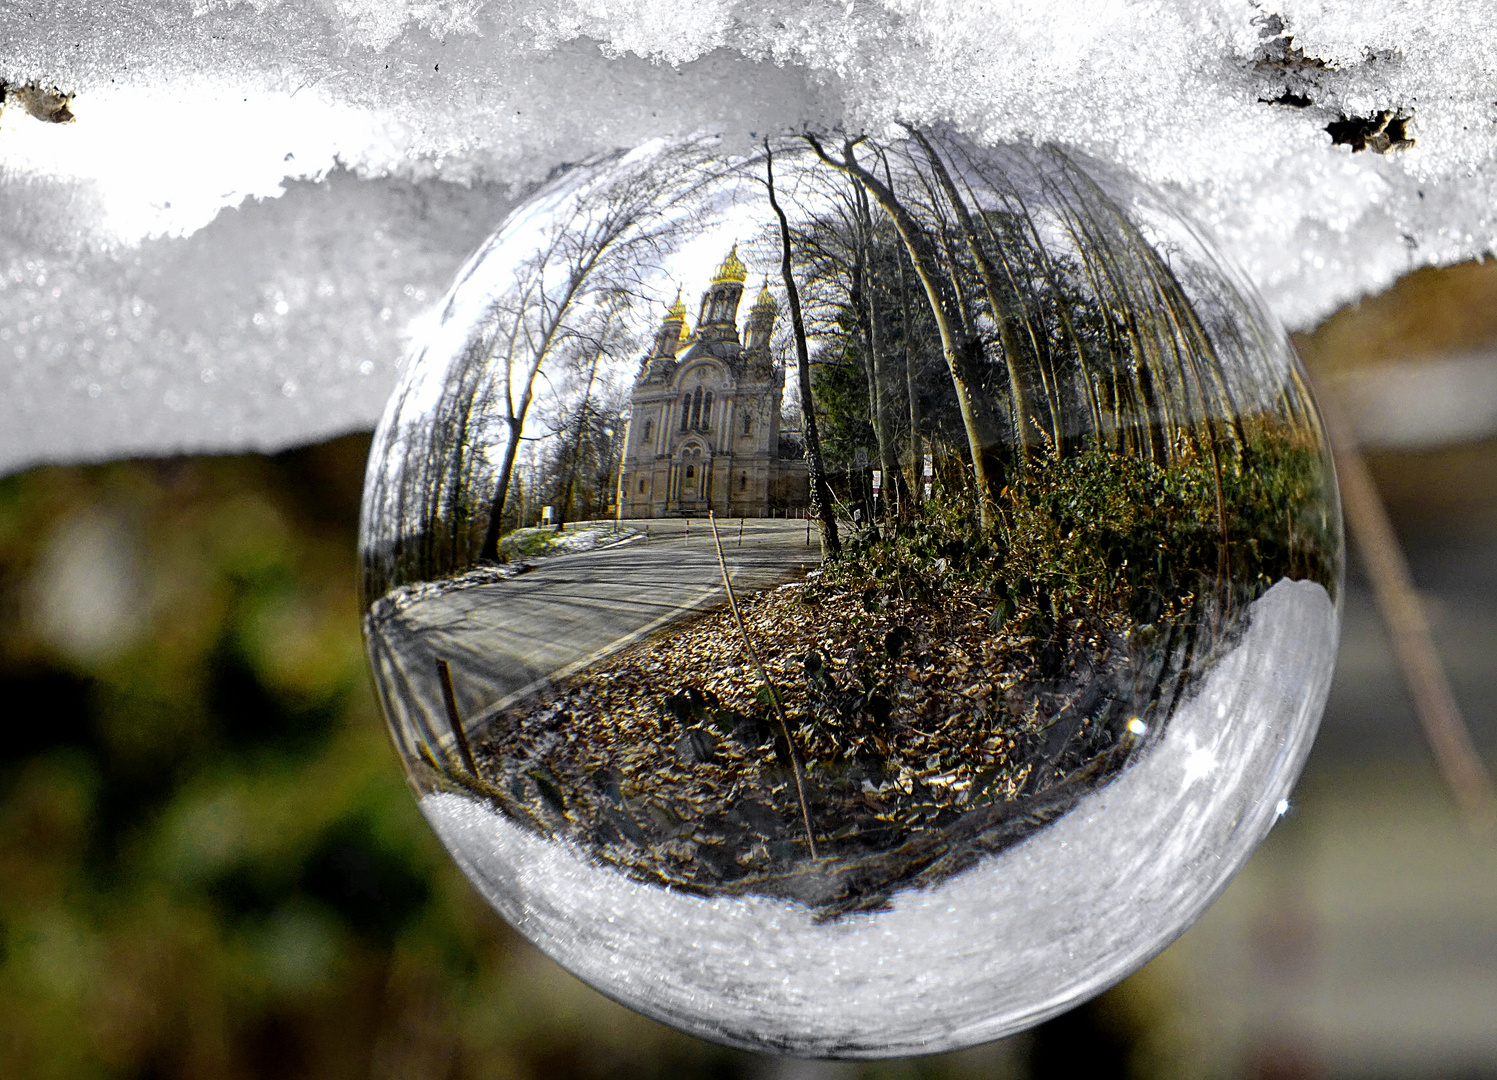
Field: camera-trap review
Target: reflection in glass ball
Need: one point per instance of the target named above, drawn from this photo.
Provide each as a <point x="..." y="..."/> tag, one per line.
<point x="854" y="597"/>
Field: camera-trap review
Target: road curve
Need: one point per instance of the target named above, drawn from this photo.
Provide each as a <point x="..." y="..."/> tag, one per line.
<point x="509" y="638"/>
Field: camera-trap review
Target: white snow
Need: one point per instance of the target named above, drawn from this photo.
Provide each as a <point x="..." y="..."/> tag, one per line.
<point x="132" y="319"/>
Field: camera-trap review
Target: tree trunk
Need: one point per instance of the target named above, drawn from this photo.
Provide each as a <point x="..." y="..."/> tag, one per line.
<point x="515" y="419"/>
<point x="1016" y="207"/>
<point x="821" y="493"/>
<point x="916" y="479"/>
<point x="490" y="550"/>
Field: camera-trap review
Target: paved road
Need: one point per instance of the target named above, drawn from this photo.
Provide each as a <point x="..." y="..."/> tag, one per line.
<point x="505" y="639"/>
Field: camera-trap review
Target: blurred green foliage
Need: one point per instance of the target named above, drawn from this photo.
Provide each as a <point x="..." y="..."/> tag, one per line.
<point x="210" y="865"/>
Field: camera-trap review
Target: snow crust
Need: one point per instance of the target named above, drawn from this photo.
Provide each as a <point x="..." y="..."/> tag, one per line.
<point x="135" y="257"/>
<point x="1019" y="937"/>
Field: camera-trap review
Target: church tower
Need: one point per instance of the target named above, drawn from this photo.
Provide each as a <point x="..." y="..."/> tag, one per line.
<point x="718" y="318"/>
<point x="673" y="331"/>
<point x="760" y="322"/>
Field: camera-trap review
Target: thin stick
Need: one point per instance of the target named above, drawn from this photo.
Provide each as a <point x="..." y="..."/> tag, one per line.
<point x="740" y="532"/>
<point x="450" y="699"/>
<point x="795" y="767"/>
<point x="688" y="532"/>
<point x="1408" y="628"/>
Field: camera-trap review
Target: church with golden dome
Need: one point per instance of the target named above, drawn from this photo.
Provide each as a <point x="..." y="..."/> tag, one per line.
<point x="704" y="426"/>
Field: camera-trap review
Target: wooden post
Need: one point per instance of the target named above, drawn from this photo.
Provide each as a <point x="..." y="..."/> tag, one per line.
<point x="774" y="699"/>
<point x="740" y="532"/>
<point x="453" y="719"/>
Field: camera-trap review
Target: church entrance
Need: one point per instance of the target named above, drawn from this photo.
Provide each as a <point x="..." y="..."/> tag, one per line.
<point x="692" y="481"/>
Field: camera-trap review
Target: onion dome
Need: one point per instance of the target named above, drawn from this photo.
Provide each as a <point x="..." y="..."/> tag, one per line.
<point x="766" y="301"/>
<point x="677" y="311"/>
<point x="732" y="269"/>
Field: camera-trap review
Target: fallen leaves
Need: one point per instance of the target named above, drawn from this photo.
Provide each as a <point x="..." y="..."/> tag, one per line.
<point x="914" y="721"/>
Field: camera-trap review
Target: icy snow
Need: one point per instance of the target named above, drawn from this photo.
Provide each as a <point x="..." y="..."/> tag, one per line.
<point x="226" y="246"/>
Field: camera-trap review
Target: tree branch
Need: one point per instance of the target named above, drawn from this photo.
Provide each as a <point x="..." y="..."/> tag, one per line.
<point x="1408" y="628"/>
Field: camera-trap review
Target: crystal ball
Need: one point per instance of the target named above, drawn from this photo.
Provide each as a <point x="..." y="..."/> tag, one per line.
<point x="850" y="596"/>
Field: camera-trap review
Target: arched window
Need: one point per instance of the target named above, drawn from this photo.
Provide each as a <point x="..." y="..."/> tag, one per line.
<point x="707" y="411"/>
<point x="748" y="422"/>
<point x="649" y="428"/>
<point x="696" y="409"/>
<point x="691" y="471"/>
<point x="686" y="413"/>
<point x="641" y="486"/>
<point x="742" y="481"/>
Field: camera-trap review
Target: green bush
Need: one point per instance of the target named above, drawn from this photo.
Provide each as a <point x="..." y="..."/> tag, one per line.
<point x="1108" y="531"/>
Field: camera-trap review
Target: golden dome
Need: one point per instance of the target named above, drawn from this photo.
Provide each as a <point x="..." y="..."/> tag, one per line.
<point x="766" y="300"/>
<point x="677" y="311"/>
<point x="732" y="269"/>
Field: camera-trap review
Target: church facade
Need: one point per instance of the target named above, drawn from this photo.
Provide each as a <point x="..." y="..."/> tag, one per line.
<point x="704" y="424"/>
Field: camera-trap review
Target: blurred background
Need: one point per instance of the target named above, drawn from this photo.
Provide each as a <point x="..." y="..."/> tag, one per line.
<point x="210" y="865"/>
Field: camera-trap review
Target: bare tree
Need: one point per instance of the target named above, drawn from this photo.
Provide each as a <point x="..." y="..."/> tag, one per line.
<point x="916" y="477"/>
<point x="419" y="503"/>
<point x="1004" y="313"/>
<point x="838" y="254"/>
<point x="589" y="255"/>
<point x="869" y="308"/>
<point x="579" y="424"/>
<point x="821" y="494"/>
<point x="945" y="305"/>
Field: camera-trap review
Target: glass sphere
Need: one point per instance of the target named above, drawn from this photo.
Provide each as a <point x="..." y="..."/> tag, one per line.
<point x="851" y="597"/>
